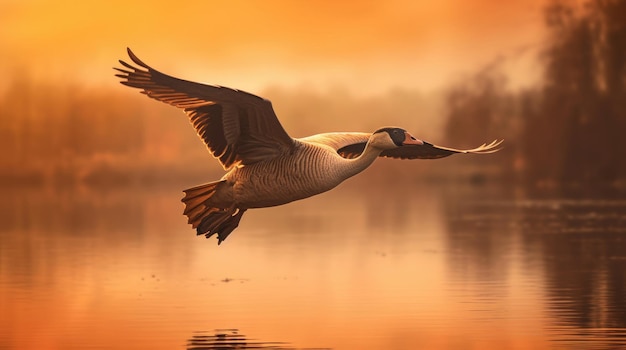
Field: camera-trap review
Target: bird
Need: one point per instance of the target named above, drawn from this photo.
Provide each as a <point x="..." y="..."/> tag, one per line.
<point x="264" y="166"/>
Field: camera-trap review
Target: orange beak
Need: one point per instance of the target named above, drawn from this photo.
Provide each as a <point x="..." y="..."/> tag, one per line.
<point x="410" y="140"/>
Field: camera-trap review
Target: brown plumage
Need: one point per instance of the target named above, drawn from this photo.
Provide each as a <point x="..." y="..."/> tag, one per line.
<point x="266" y="167"/>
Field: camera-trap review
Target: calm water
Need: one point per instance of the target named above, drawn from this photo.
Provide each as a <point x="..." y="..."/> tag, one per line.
<point x="363" y="267"/>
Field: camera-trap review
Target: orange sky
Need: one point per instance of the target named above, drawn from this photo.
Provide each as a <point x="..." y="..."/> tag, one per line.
<point x="367" y="45"/>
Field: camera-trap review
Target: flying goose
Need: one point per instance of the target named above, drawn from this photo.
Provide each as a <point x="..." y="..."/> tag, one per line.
<point x="266" y="167"/>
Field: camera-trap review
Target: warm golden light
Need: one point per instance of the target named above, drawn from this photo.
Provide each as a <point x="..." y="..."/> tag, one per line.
<point x="252" y="44"/>
<point x="522" y="249"/>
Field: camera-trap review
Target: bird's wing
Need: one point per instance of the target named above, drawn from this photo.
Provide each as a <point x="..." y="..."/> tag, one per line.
<point x="430" y="151"/>
<point x="344" y="141"/>
<point x="425" y="151"/>
<point x="237" y="127"/>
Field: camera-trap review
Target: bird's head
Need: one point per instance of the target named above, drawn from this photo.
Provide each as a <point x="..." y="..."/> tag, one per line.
<point x="390" y="138"/>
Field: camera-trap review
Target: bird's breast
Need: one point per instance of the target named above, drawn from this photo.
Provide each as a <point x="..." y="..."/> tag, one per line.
<point x="304" y="173"/>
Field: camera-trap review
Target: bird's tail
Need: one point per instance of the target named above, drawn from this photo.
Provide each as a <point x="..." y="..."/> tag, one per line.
<point x="207" y="219"/>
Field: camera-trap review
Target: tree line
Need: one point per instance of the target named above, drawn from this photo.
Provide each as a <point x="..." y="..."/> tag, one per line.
<point x="570" y="129"/>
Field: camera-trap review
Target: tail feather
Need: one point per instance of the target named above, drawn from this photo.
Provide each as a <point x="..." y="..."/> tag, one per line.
<point x="197" y="202"/>
<point x="192" y="204"/>
<point x="207" y="219"/>
<point x="196" y="196"/>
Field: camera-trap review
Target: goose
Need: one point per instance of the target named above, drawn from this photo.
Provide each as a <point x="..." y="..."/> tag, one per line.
<point x="265" y="166"/>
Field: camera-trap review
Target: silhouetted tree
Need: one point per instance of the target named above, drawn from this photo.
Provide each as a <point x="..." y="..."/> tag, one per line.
<point x="578" y="133"/>
<point x="474" y="106"/>
<point x="570" y="129"/>
<point x="481" y="108"/>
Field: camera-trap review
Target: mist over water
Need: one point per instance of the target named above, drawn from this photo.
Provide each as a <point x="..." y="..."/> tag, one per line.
<point x="449" y="265"/>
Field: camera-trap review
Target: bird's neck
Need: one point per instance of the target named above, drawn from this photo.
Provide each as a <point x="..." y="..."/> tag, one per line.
<point x="356" y="165"/>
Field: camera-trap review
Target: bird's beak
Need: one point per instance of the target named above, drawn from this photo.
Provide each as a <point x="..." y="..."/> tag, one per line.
<point x="410" y="140"/>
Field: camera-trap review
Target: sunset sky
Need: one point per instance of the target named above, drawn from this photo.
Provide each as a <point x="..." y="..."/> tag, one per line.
<point x="367" y="46"/>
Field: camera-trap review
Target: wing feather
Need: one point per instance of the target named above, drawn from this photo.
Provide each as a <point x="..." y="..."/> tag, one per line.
<point x="237" y="127"/>
<point x="350" y="145"/>
<point x="425" y="151"/>
<point x="430" y="151"/>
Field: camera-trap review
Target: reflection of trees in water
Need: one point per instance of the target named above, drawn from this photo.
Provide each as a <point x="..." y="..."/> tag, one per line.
<point x="70" y="211"/>
<point x="479" y="242"/>
<point x="42" y="228"/>
<point x="31" y="217"/>
<point x="387" y="199"/>
<point x="230" y="339"/>
<point x="578" y="245"/>
<point x="584" y="259"/>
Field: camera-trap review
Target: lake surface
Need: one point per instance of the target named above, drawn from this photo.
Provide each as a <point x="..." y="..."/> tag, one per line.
<point x="413" y="266"/>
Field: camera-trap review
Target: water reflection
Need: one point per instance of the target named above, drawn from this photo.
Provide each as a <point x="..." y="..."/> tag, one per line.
<point x="231" y="339"/>
<point x="574" y="248"/>
<point x="446" y="267"/>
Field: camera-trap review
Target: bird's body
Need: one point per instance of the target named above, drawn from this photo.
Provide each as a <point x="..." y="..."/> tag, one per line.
<point x="266" y="167"/>
<point x="310" y="169"/>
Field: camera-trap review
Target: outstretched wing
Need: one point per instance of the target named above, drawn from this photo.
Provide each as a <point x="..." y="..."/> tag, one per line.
<point x="425" y="151"/>
<point x="237" y="127"/>
<point x="430" y="151"/>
